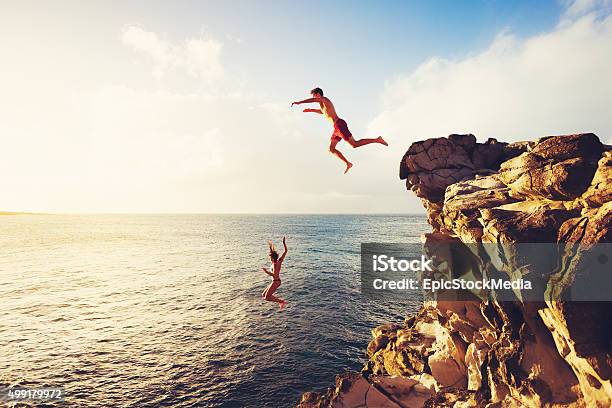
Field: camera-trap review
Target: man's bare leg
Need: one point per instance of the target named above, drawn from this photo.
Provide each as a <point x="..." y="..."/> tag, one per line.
<point x="334" y="151"/>
<point x="363" y="142"/>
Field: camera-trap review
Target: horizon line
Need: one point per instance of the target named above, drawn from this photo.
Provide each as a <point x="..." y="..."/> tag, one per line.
<point x="205" y="213"/>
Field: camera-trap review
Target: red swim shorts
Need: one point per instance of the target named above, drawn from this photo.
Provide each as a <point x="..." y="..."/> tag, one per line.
<point x="341" y="130"/>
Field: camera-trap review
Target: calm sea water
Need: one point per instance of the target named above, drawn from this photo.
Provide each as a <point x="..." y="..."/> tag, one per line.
<point x="165" y="310"/>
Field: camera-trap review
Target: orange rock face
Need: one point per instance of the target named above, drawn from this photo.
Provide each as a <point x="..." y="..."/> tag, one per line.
<point x="488" y="353"/>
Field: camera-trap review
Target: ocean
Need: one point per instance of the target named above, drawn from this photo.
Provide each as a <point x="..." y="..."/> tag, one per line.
<point x="166" y="310"/>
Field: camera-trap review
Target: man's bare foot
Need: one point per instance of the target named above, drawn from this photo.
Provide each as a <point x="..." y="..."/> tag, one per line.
<point x="348" y="167"/>
<point x="281" y="305"/>
<point x="382" y="141"/>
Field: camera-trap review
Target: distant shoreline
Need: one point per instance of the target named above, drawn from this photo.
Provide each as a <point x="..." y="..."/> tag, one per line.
<point x="17" y="213"/>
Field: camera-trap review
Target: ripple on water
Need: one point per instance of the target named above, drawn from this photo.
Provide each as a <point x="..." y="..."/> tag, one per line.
<point x="167" y="310"/>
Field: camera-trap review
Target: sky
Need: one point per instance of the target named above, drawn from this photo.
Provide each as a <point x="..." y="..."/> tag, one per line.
<point x="184" y="107"/>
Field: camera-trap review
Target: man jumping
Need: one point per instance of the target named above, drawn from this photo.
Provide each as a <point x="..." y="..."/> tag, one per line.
<point x="341" y="130"/>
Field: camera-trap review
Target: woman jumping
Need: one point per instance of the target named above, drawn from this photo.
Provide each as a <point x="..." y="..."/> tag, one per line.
<point x="268" y="293"/>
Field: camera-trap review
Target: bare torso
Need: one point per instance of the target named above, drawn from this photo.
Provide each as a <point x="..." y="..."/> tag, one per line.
<point x="275" y="268"/>
<point x="327" y="107"/>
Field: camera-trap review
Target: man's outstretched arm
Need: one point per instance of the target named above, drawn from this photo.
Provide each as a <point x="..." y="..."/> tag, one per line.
<point x="309" y="100"/>
<point x="313" y="111"/>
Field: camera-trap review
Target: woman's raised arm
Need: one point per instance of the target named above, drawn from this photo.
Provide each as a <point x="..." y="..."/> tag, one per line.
<point x="282" y="258"/>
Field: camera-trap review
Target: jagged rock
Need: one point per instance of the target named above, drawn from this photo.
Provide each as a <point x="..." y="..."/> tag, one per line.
<point x="406" y="392"/>
<point x="356" y="391"/>
<point x="484" y="352"/>
<point x="474" y="359"/>
<point x="559" y="148"/>
<point x="455" y="398"/>
<point x="505" y="226"/>
<point x="459" y="213"/>
<point x="447" y="362"/>
<point x="598" y="225"/>
<point x="599" y="192"/>
<point x="584" y="343"/>
<point x="556" y="189"/>
<point x="311" y="400"/>
<point x="434" y="164"/>
<point x="555" y="168"/>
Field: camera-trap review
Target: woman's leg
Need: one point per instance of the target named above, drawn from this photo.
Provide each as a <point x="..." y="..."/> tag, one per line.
<point x="265" y="292"/>
<point x="278" y="300"/>
<point x="269" y="292"/>
<point x="270" y="295"/>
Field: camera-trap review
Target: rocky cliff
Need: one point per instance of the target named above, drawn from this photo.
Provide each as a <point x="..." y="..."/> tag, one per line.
<point x="483" y="352"/>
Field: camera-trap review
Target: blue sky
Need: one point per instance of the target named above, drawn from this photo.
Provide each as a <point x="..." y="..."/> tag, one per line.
<point x="349" y="48"/>
<point x="283" y="48"/>
<point x="157" y="106"/>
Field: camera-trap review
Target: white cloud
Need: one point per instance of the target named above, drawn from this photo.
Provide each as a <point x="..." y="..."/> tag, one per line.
<point x="159" y="136"/>
<point x="517" y="89"/>
<point x="233" y="38"/>
<point x="201" y="57"/>
<point x="190" y="152"/>
<point x="84" y="143"/>
<point x="578" y="8"/>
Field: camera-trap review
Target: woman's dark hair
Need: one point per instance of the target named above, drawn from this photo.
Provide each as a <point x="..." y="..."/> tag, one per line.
<point x="317" y="91"/>
<point x="273" y="253"/>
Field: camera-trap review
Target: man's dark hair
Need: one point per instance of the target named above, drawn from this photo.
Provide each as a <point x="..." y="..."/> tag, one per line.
<point x="317" y="91"/>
